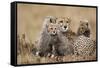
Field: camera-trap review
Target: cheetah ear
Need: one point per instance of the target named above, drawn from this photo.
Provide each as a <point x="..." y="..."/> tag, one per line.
<point x="87" y="24"/>
<point x="50" y="20"/>
<point x="81" y="21"/>
<point x="56" y="18"/>
<point x="69" y="19"/>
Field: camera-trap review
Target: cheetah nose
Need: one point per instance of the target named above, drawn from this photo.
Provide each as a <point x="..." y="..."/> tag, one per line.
<point x="54" y="32"/>
<point x="65" y="27"/>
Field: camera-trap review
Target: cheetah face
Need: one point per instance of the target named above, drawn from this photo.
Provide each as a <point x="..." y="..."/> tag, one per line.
<point x="83" y="26"/>
<point x="63" y="24"/>
<point x="52" y="29"/>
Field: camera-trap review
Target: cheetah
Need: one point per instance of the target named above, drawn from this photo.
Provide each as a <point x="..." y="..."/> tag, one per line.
<point x="84" y="28"/>
<point x="65" y="35"/>
<point x="83" y="44"/>
<point x="48" y="37"/>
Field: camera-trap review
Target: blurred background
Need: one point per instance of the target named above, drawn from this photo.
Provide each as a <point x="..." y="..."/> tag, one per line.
<point x="31" y="16"/>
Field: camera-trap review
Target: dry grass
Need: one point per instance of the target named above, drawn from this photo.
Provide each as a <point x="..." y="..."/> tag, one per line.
<point x="25" y="55"/>
<point x="31" y="59"/>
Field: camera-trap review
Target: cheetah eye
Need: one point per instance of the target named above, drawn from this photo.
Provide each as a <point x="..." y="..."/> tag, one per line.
<point x="81" y="25"/>
<point x="51" y="28"/>
<point x="61" y="21"/>
<point x="82" y="28"/>
<point x="66" y="21"/>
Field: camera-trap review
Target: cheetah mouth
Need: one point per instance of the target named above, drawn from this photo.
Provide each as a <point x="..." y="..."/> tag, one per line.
<point x="54" y="34"/>
<point x="64" y="29"/>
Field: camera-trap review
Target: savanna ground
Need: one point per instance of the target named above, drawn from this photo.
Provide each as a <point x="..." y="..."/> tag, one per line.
<point x="30" y="20"/>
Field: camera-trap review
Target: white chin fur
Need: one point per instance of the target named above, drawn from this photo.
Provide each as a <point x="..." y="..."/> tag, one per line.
<point x="53" y="33"/>
<point x="64" y="30"/>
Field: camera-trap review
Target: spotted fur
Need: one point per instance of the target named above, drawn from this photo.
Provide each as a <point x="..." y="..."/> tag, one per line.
<point x="84" y="46"/>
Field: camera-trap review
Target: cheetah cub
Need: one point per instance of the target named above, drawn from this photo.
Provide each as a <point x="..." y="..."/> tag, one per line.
<point x="84" y="45"/>
<point x="65" y="35"/>
<point x="83" y="28"/>
<point x="48" y="36"/>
